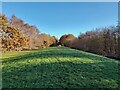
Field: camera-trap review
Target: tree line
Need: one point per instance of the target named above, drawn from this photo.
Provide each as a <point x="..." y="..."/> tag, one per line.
<point x="104" y="41"/>
<point x="15" y="35"/>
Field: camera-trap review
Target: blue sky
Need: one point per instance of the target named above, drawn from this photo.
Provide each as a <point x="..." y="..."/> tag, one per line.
<point x="65" y="17"/>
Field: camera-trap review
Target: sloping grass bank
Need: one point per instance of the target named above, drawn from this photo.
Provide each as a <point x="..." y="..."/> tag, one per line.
<point x="58" y="67"/>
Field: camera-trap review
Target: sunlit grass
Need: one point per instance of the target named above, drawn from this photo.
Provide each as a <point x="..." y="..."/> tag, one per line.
<point x="12" y="54"/>
<point x="58" y="67"/>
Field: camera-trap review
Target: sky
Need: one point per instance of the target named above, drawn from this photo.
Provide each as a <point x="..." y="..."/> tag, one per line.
<point x="59" y="18"/>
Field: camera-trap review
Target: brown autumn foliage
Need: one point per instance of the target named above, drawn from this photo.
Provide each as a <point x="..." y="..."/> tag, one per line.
<point x="118" y="40"/>
<point x="37" y="39"/>
<point x="11" y="37"/>
<point x="103" y="41"/>
<point x="17" y="35"/>
<point x="47" y="40"/>
<point x="66" y="40"/>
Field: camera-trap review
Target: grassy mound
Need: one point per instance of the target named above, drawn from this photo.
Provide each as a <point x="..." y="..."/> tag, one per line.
<point x="58" y="67"/>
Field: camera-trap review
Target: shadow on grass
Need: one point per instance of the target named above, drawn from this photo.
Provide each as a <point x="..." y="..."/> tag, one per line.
<point x="63" y="75"/>
<point x="60" y="74"/>
<point x="54" y="53"/>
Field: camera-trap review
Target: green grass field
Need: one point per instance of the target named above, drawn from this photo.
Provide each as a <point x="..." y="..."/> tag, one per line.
<point x="58" y="67"/>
